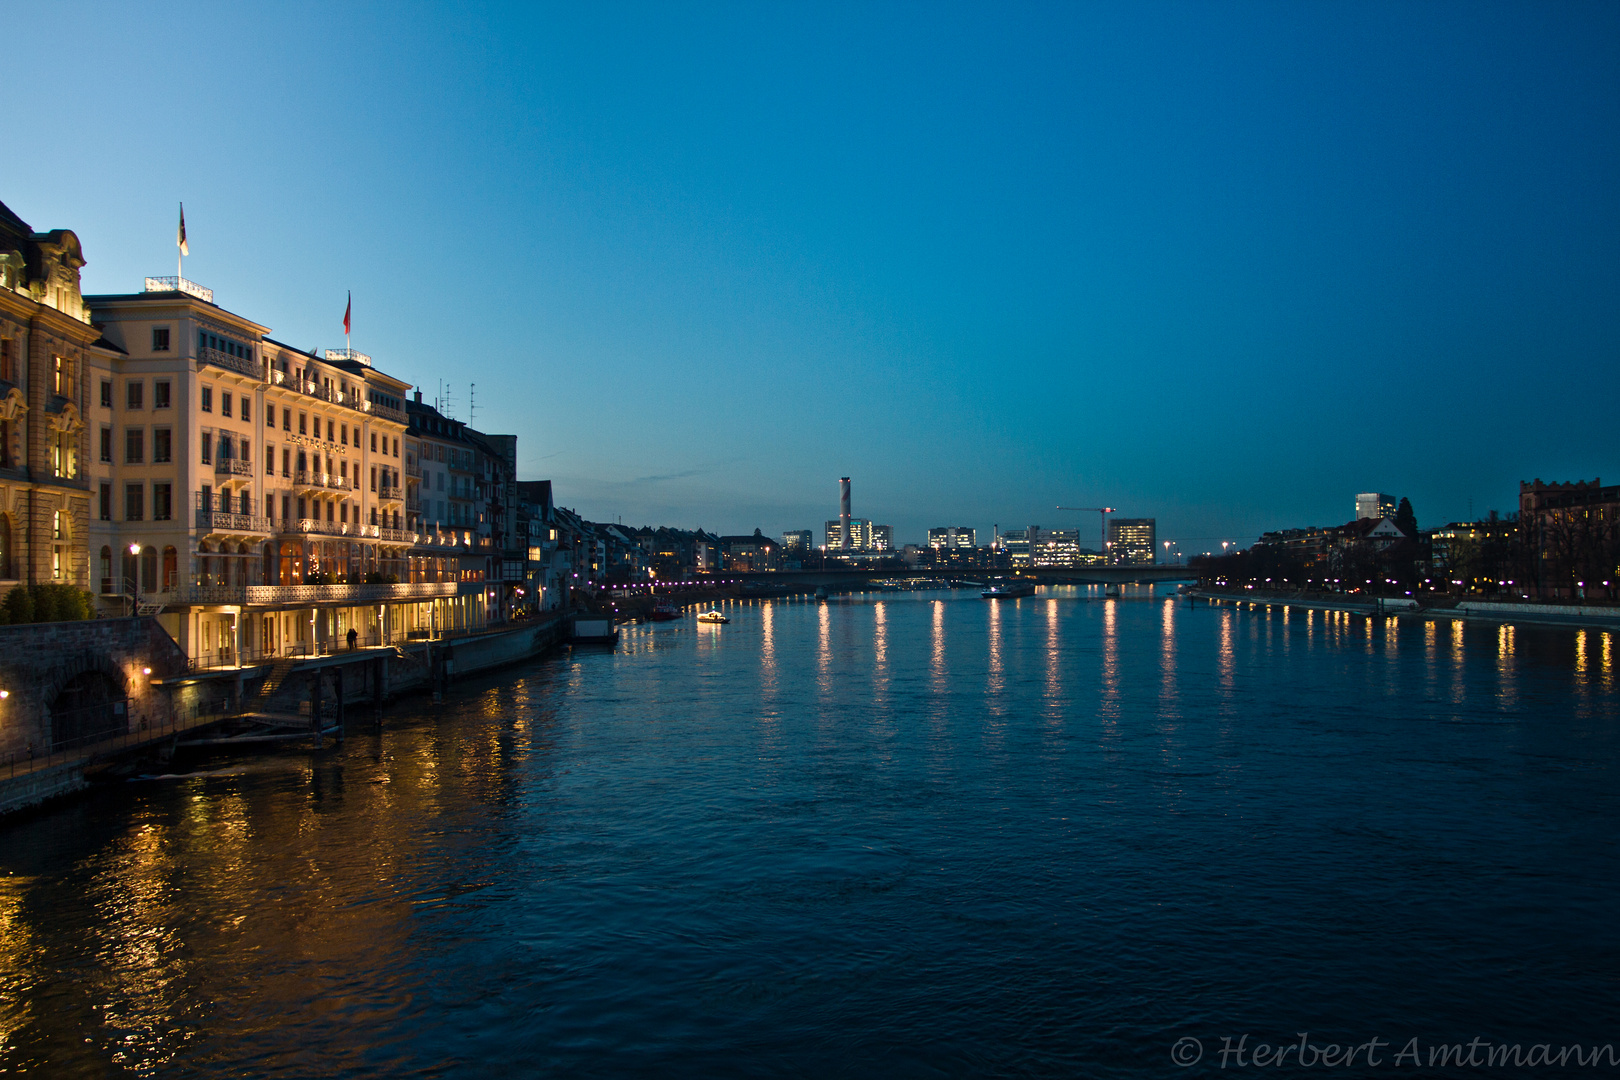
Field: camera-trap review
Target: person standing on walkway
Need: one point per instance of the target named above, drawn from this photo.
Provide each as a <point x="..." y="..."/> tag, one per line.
<point x="353" y="636"/>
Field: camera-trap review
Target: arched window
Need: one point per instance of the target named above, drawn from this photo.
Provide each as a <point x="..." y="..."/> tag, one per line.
<point x="149" y="569"/>
<point x="106" y="570"/>
<point x="171" y="569"/>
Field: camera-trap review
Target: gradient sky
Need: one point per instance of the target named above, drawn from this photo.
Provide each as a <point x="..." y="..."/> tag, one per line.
<point x="1223" y="265"/>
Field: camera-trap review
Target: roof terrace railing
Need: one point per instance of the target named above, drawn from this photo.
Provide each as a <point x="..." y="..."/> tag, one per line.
<point x="180" y="285"/>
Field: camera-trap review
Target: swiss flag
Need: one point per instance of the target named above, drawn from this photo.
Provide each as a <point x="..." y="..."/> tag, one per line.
<point x="347" y="308"/>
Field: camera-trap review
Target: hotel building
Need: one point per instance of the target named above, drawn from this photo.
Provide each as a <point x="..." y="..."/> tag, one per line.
<point x="248" y="493"/>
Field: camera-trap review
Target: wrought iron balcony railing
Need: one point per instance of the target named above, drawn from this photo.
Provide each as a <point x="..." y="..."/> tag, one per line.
<point x="179" y="284"/>
<point x="232" y="467"/>
<point x="224" y="521"/>
<point x="242" y="365"/>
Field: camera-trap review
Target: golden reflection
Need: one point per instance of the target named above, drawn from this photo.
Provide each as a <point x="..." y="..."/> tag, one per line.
<point x="1054" y="655"/>
<point x="1167" y="661"/>
<point x="1580" y="652"/>
<point x="824" y="649"/>
<point x="880" y="657"/>
<point x="1108" y="705"/>
<point x="1225" y="661"/>
<point x="1506" y="666"/>
<point x="996" y="683"/>
<point x="938" y="680"/>
<point x="1604" y="642"/>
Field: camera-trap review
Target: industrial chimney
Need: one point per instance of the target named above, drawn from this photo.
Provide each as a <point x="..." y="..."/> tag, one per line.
<point x="843" y="513"/>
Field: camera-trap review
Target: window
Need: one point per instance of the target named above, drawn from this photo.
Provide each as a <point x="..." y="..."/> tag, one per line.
<point x="7" y="363"/>
<point x="160" y="394"/>
<point x="62" y="376"/>
<point x="329" y="426"/>
<point x="247" y="503"/>
<point x="270" y="506"/>
<point x="439" y="452"/>
<point x="106" y="501"/>
<point x="345" y="436"/>
<point x="225" y="403"/>
<point x="160" y="339"/>
<point x="207" y="399"/>
<point x="134" y="446"/>
<point x="286" y="419"/>
<point x="207" y="441"/>
<point x="162" y="502"/>
<point x="374" y="478"/>
<point x="162" y="446"/>
<point x="302" y="419"/>
<point x="286" y="462"/>
<point x="134" y="394"/>
<point x="106" y="393"/>
<point x="247" y="411"/>
<point x="134" y="502"/>
<point x="269" y="459"/>
<point x="106" y="444"/>
<point x="373" y="442"/>
<point x="270" y="416"/>
<point x="396" y="448"/>
<point x="302" y="507"/>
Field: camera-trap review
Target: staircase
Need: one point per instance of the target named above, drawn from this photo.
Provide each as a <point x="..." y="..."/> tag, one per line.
<point x="146" y="608"/>
<point x="273" y="680"/>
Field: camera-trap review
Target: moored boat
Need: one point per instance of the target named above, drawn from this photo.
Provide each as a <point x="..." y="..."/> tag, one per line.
<point x="712" y="617"/>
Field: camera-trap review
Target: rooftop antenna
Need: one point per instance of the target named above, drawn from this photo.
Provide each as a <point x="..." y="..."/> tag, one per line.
<point x="472" y="402"/>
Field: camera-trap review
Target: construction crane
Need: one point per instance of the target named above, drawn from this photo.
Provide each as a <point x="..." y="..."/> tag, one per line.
<point x="1102" y="539"/>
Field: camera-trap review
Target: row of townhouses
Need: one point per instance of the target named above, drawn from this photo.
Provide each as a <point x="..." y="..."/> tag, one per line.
<point x="175" y="459"/>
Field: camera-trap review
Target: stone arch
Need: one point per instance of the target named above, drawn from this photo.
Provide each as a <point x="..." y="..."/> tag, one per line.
<point x="89" y="698"/>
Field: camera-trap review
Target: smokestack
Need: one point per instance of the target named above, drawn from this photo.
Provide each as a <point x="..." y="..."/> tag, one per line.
<point x="843" y="513"/>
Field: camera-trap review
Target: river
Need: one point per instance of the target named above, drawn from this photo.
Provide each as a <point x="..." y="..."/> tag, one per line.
<point x="911" y="834"/>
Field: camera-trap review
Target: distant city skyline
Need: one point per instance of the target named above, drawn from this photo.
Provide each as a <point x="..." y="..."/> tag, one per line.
<point x="1223" y="267"/>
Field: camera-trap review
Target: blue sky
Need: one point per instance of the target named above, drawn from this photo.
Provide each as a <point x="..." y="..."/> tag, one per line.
<point x="1220" y="264"/>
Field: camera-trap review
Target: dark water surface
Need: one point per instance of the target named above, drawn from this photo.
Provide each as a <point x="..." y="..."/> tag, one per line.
<point x="904" y="835"/>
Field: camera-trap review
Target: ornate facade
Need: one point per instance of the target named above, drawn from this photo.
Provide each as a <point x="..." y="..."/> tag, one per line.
<point x="47" y="344"/>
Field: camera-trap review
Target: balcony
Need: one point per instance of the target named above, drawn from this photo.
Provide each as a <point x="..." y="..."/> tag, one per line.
<point x="386" y="412"/>
<point x="318" y="527"/>
<point x="307" y="478"/>
<point x="395" y="536"/>
<point x="390" y="493"/>
<point x="287" y="595"/>
<point x="413" y="469"/>
<point x="242" y="365"/>
<point x="180" y="285"/>
<point x="233" y="467"/>
<point x="224" y="521"/>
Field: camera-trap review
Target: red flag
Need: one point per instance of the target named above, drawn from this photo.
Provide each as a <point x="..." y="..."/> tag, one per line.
<point x="347" y="308"/>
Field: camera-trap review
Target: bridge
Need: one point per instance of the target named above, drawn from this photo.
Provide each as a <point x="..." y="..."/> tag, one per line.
<point x="853" y="577"/>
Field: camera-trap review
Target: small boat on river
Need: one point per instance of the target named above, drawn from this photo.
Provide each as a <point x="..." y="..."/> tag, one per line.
<point x="663" y="611"/>
<point x="712" y="617"/>
<point x="1008" y="590"/>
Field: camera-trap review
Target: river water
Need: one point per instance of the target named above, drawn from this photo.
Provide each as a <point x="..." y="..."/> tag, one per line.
<point x="910" y="834"/>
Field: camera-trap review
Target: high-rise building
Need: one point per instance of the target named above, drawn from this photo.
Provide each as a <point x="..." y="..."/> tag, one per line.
<point x="882" y="538"/>
<point x="1131" y="541"/>
<point x="798" y="540"/>
<point x="1374" y="504"/>
<point x="953" y="536"/>
<point x="860" y="535"/>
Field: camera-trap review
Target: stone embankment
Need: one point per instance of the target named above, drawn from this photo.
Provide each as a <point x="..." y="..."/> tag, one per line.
<point x="139" y="667"/>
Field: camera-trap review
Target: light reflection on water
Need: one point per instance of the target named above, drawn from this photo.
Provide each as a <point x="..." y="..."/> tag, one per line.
<point x="914" y="833"/>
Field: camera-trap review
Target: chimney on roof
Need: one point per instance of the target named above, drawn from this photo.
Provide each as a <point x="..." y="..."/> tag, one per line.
<point x="419" y="396"/>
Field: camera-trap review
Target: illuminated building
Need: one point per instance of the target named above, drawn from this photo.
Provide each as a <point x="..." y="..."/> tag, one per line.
<point x="1131" y="541"/>
<point x="953" y="536"/>
<point x="1375" y="505"/>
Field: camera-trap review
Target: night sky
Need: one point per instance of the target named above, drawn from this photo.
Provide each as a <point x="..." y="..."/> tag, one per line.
<point x="1223" y="265"/>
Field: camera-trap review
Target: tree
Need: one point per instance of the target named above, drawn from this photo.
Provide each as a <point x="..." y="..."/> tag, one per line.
<point x="1405" y="519"/>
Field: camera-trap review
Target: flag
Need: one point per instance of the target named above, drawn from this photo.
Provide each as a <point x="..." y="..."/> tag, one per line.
<point x="180" y="237"/>
<point x="346" y="309"/>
